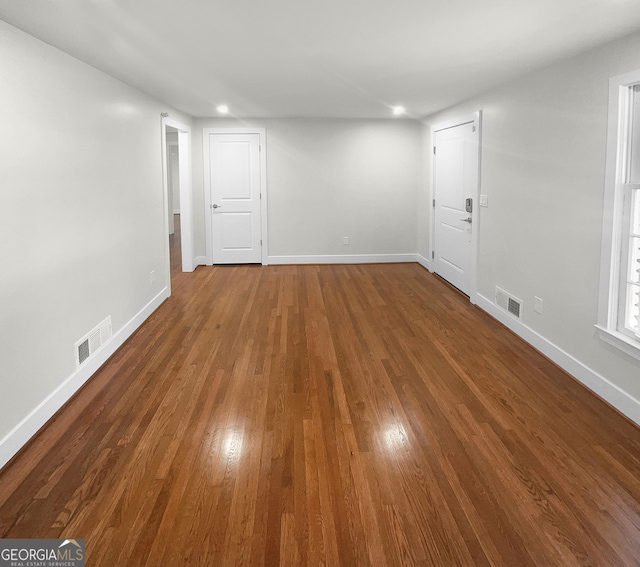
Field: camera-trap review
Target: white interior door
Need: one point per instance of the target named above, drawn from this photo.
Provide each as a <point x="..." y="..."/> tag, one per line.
<point x="455" y="184"/>
<point x="235" y="198"/>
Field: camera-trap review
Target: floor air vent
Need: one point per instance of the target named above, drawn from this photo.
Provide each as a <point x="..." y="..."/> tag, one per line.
<point x="509" y="303"/>
<point x="92" y="342"/>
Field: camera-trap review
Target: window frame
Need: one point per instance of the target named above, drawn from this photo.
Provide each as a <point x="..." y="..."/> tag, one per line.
<point x="613" y="271"/>
<point x="629" y="189"/>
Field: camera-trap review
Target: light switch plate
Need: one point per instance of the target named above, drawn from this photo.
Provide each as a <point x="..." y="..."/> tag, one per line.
<point x="484" y="201"/>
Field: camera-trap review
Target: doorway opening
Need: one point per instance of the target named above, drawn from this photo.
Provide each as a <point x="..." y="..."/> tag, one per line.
<point x="176" y="173"/>
<point x="173" y="198"/>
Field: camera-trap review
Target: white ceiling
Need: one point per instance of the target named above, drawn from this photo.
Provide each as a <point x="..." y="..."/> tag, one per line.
<point x="322" y="58"/>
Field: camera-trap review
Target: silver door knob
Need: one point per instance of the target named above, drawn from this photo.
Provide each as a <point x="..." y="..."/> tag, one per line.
<point x="467" y="220"/>
<point x="214" y="206"/>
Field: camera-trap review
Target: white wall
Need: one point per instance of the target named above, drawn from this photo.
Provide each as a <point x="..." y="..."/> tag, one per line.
<point x="83" y="221"/>
<point x="332" y="178"/>
<point x="543" y="163"/>
<point x="175" y="179"/>
<point x="173" y="171"/>
<point x="424" y="198"/>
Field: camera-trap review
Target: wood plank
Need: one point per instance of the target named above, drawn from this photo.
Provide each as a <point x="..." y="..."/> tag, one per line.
<point x="329" y="415"/>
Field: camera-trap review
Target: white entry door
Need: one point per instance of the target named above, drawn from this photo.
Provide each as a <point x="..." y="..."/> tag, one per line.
<point x="235" y="198"/>
<point x="455" y="185"/>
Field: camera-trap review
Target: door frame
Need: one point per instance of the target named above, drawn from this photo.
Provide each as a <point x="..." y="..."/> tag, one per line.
<point x="206" y="153"/>
<point x="476" y="119"/>
<point x="186" y="213"/>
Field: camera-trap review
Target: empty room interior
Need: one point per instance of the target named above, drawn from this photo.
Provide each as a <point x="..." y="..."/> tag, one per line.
<point x="342" y="283"/>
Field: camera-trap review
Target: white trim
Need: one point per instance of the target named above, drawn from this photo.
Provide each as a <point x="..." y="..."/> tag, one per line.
<point x="424" y="262"/>
<point x="186" y="207"/>
<point x="597" y="383"/>
<point x="345" y="259"/>
<point x="620" y="341"/>
<point x="453" y="122"/>
<point x="200" y="260"/>
<point x="32" y="423"/>
<point x="475" y="118"/>
<point x="176" y="211"/>
<point x="262" y="133"/>
<point x="168" y="228"/>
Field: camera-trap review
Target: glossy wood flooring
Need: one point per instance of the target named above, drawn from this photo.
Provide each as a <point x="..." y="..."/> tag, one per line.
<point x="332" y="415"/>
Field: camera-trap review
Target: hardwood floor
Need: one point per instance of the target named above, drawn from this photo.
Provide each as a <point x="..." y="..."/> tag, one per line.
<point x="330" y="415"/>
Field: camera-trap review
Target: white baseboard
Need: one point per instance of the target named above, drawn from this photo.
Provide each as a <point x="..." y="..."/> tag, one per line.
<point x="424" y="262"/>
<point x="618" y="398"/>
<point x="32" y="423"/>
<point x="200" y="261"/>
<point x="344" y="259"/>
<point x="176" y="211"/>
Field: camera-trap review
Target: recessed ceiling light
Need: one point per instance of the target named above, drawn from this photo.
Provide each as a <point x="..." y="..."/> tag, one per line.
<point x="222" y="109"/>
<point x="398" y="110"/>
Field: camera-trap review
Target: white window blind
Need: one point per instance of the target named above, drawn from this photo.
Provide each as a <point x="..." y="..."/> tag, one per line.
<point x="631" y="307"/>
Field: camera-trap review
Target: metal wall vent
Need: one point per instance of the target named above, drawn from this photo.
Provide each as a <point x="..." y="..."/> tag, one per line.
<point x="514" y="307"/>
<point x="509" y="303"/>
<point x="83" y="351"/>
<point x="92" y="342"/>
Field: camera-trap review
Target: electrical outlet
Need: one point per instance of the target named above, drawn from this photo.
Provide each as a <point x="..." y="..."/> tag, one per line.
<point x="537" y="305"/>
<point x="484" y="201"/>
<point x="345" y="240"/>
<point x="152" y="276"/>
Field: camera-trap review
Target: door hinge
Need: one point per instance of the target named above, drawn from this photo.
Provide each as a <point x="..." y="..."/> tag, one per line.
<point x="433" y="255"/>
<point x="434" y="202"/>
<point x="434" y="150"/>
<point x="473" y="128"/>
<point x="261" y="242"/>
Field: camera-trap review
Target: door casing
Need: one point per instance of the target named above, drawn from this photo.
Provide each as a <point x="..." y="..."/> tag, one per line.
<point x="262" y="133"/>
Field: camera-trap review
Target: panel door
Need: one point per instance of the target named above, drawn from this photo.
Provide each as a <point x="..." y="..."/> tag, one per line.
<point x="235" y="198"/>
<point x="454" y="183"/>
